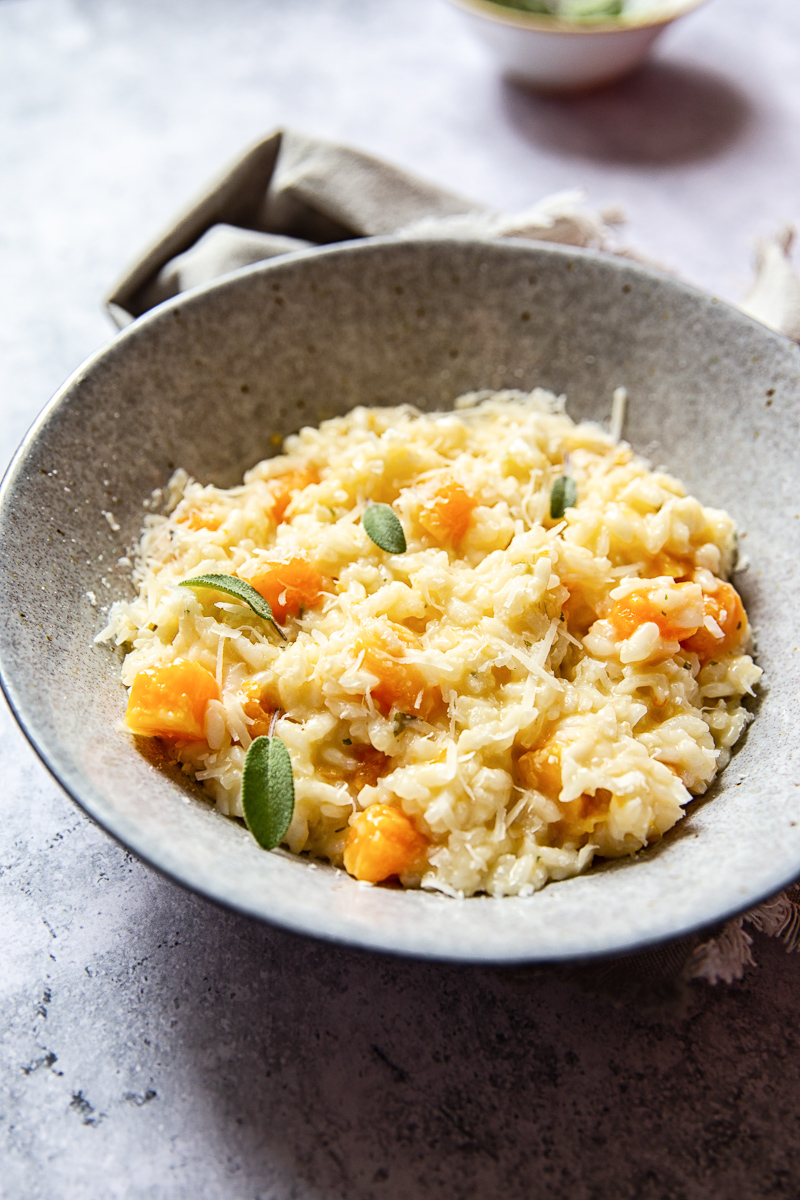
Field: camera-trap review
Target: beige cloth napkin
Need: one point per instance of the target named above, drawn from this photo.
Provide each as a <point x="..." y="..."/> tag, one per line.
<point x="287" y="192"/>
<point x="290" y="192"/>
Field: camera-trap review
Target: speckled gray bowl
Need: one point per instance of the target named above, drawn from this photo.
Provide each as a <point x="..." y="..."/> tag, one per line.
<point x="206" y="380"/>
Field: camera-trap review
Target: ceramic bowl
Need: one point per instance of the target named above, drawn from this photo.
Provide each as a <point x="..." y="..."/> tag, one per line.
<point x="206" y="380"/>
<point x="565" y="56"/>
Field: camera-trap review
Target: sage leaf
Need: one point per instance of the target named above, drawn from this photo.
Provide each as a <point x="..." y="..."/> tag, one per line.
<point x="268" y="791"/>
<point x="383" y="526"/>
<point x="232" y="586"/>
<point x="563" y="495"/>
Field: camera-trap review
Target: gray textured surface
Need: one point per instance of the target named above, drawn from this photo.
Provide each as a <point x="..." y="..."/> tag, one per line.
<point x="282" y="1069"/>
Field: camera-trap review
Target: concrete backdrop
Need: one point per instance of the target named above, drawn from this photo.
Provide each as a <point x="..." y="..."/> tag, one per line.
<point x="153" y="1046"/>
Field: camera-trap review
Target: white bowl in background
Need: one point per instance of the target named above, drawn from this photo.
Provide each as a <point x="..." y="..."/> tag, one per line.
<point x="563" y="56"/>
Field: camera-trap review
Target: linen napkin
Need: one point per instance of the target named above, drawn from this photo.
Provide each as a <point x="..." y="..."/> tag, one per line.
<point x="290" y="192"/>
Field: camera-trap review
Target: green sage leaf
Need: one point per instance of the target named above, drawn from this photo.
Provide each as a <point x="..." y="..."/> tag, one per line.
<point x="268" y="791"/>
<point x="383" y="526"/>
<point x="232" y="586"/>
<point x="563" y="495"/>
<point x="569" y="10"/>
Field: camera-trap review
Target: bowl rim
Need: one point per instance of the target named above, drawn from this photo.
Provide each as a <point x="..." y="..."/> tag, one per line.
<point x="494" y="11"/>
<point x="168" y="865"/>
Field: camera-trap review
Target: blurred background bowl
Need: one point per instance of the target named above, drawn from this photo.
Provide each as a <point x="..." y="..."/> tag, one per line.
<point x="566" y="56"/>
<point x="208" y="379"/>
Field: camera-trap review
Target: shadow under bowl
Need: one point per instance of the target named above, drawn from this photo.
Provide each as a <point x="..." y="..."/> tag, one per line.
<point x="205" y="381"/>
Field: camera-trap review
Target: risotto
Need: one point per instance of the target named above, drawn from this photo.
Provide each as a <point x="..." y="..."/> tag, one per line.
<point x="546" y="669"/>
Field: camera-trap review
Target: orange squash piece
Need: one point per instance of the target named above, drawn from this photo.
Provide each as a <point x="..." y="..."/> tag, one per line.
<point x="171" y="701"/>
<point x="288" y="586"/>
<point x="541" y="769"/>
<point x="371" y="765"/>
<point x="283" y="488"/>
<point x="726" y="608"/>
<point x="382" y="842"/>
<point x="200" y="520"/>
<point x="447" y="515"/>
<point x="638" y="608"/>
<point x="365" y="767"/>
<point x="584" y="813"/>
<point x="669" y="564"/>
<point x="258" y="708"/>
<point x="401" y="686"/>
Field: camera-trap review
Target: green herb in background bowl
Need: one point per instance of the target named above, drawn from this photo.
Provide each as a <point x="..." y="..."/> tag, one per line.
<point x="569" y="10"/>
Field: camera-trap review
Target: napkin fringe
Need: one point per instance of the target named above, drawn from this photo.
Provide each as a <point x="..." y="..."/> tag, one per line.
<point x="774" y="298"/>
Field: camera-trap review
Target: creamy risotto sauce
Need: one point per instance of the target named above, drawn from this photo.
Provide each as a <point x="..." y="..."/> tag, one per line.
<point x="510" y="697"/>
